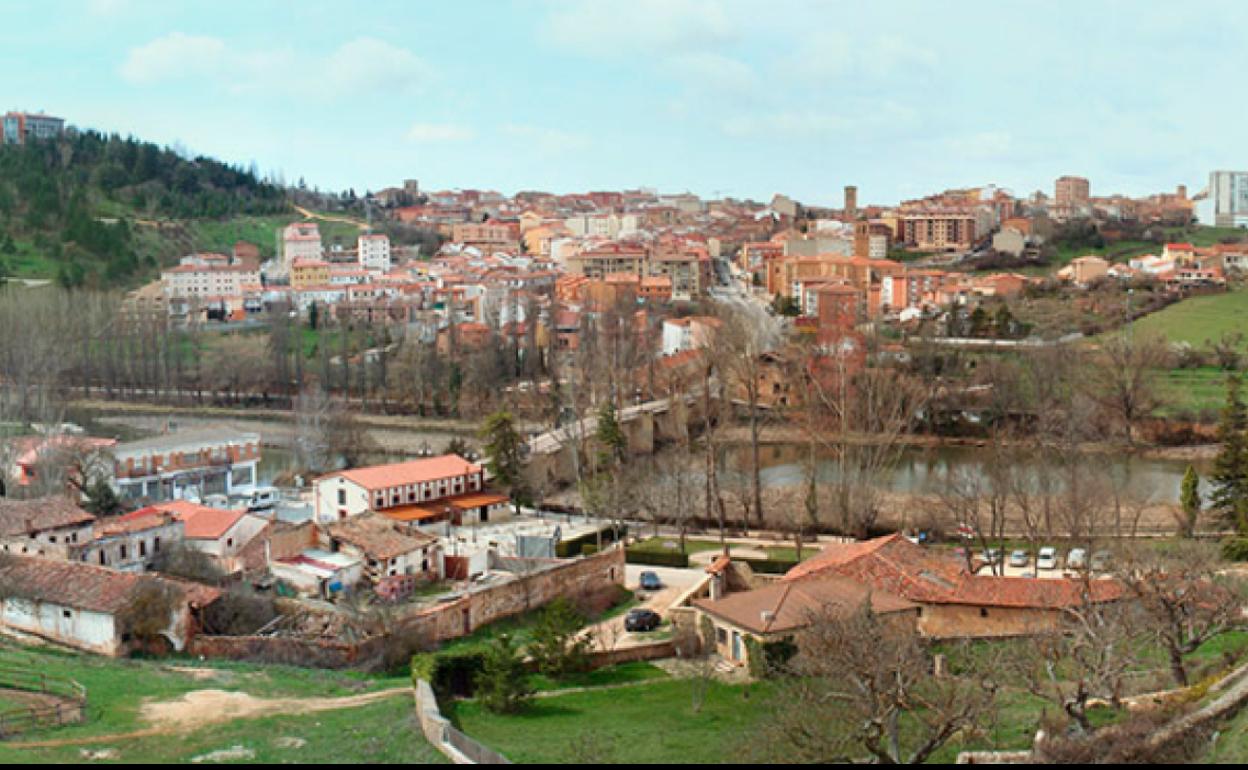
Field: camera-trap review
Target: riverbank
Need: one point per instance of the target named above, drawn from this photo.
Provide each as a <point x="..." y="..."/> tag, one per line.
<point x="794" y="435"/>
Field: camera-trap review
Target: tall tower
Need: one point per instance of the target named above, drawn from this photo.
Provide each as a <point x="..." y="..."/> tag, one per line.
<point x="851" y="200"/>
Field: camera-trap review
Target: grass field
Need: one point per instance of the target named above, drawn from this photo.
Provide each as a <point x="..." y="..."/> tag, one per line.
<point x="1199" y="320"/>
<point x="647" y="723"/>
<point x="117" y="688"/>
<point x="1199" y="392"/>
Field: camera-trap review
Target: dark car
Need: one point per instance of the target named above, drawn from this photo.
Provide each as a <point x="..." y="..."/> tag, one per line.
<point x="642" y="620"/>
<point x="649" y="581"/>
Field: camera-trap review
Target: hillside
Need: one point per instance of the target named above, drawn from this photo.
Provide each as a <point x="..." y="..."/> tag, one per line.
<point x="95" y="210"/>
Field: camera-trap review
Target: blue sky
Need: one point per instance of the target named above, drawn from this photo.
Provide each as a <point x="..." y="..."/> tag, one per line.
<point x="737" y="98"/>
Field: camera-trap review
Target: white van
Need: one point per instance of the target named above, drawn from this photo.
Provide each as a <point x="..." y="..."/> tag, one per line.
<point x="264" y="499"/>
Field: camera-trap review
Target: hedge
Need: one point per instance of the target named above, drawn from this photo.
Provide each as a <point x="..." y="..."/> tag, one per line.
<point x="576" y="546"/>
<point x="450" y="672"/>
<point x="656" y="558"/>
<point x="769" y="566"/>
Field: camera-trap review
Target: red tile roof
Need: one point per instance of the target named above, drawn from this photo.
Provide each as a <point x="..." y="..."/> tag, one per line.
<point x="86" y="586"/>
<point x="898" y="566"/>
<point x="411" y="472"/>
<point x="28" y="517"/>
<point x="789" y="605"/>
<point x="201" y="521"/>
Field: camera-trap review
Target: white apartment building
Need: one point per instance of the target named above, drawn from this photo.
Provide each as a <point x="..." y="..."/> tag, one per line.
<point x="201" y="280"/>
<point x="374" y="251"/>
<point x="1230" y="198"/>
<point x="301" y="240"/>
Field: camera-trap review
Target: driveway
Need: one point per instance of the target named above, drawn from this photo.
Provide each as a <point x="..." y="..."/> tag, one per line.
<point x="610" y="634"/>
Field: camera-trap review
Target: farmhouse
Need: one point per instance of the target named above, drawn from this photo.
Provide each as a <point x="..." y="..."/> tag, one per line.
<point x="436" y="490"/>
<point x="948" y="601"/>
<point x="393" y="560"/>
<point x="44" y="526"/>
<point x="83" y="605"/>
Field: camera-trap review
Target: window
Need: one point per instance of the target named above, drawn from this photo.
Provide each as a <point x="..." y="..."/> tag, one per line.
<point x="142" y="548"/>
<point x="123" y="552"/>
<point x="66" y="614"/>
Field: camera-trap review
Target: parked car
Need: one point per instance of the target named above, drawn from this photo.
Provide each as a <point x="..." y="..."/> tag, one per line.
<point x="993" y="556"/>
<point x="1102" y="561"/>
<point x="649" y="581"/>
<point x="642" y="620"/>
<point x="1046" y="558"/>
<point x="1019" y="558"/>
<point x="264" y="499"/>
<point x="1077" y="559"/>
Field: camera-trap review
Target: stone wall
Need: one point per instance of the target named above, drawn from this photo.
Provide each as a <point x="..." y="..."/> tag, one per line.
<point x="957" y="621"/>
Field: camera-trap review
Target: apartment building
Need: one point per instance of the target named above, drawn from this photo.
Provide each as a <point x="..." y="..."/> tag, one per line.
<point x="202" y="279"/>
<point x="938" y="230"/>
<point x="17" y="127"/>
<point x="374" y="252"/>
<point x="301" y="240"/>
<point x="191" y="463"/>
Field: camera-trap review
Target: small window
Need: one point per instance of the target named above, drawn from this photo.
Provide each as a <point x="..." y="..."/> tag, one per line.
<point x="983" y="612"/>
<point x="66" y="614"/>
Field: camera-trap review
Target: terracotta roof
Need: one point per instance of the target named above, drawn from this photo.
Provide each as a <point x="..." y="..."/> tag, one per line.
<point x="477" y="499"/>
<point x="377" y="537"/>
<point x="202" y="522"/>
<point x="411" y="472"/>
<point x="28" y="517"/>
<point x="86" y="586"/>
<point x="896" y="565"/>
<point x="788" y="605"/>
<point x="411" y="513"/>
<point x="138" y="521"/>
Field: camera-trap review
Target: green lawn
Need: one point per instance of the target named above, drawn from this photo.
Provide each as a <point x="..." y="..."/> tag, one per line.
<point x="1199" y="320"/>
<point x="1193" y="391"/>
<point x="649" y="723"/>
<point x="520" y="627"/>
<point x="672" y="545"/>
<point x="117" y="688"/>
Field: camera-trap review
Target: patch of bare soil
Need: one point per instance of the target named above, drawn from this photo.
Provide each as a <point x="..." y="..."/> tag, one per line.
<point x="198" y="708"/>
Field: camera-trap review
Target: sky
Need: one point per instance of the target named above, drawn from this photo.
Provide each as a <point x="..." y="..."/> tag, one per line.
<point x="732" y="98"/>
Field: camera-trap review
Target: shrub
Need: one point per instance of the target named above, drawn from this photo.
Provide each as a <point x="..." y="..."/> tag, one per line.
<point x="503" y="682"/>
<point x="1235" y="549"/>
<point x="557" y="650"/>
<point x="576" y="546"/>
<point x="450" y="672"/>
<point x="657" y="558"/>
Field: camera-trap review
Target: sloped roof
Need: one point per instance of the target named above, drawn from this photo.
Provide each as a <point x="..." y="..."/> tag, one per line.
<point x="86" y="586"/>
<point x="898" y="566"/>
<point x="27" y="517"/>
<point x="202" y="522"/>
<point x="788" y="605"/>
<point x="411" y="472"/>
<point x="377" y="537"/>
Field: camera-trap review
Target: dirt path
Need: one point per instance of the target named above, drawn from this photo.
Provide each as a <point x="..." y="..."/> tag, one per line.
<point x="200" y="708"/>
<point x="309" y="214"/>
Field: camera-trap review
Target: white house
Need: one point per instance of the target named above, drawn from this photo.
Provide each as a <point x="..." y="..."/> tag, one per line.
<point x="82" y="605"/>
<point x="374" y="252"/>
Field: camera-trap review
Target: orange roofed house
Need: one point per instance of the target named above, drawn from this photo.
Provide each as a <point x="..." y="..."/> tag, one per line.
<point x="898" y="575"/>
<point x="436" y="490"/>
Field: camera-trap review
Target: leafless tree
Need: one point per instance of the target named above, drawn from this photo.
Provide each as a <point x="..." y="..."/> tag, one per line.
<point x="864" y="689"/>
<point x="1123" y="379"/>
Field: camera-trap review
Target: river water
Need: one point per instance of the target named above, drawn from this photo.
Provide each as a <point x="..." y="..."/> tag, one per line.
<point x="927" y="470"/>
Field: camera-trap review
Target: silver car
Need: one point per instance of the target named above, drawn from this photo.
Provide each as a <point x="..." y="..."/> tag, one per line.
<point x="1077" y="559"/>
<point x="1019" y="558"/>
<point x="1047" y="558"/>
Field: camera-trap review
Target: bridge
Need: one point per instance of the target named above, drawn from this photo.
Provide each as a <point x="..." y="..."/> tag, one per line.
<point x="552" y="455"/>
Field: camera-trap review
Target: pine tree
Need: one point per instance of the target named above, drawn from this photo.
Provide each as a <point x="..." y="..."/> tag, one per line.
<point x="1189" y="499"/>
<point x="503" y="682"/>
<point x="609" y="434"/>
<point x="502" y="446"/>
<point x="1230" y="469"/>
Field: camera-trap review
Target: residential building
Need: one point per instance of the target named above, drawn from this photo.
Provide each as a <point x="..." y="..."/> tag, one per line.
<point x="43" y="526"/>
<point x="131" y="542"/>
<point x="197" y="463"/>
<point x="80" y="605"/>
<point x="938" y="230"/>
<point x="301" y="240"/>
<point x="309" y="273"/>
<point x="374" y="252"/>
<point x="690" y="333"/>
<point x="438" y="490"/>
<point x="203" y="280"/>
<point x="1229" y="190"/>
<point x="1072" y="193"/>
<point x="223" y="534"/>
<point x="17" y="127"/>
<point x="394" y="557"/>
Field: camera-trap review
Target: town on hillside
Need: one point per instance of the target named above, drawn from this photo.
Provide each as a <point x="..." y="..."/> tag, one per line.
<point x="855" y="459"/>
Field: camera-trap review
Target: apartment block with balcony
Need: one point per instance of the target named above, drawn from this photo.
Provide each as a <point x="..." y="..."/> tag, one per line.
<point x="186" y="464"/>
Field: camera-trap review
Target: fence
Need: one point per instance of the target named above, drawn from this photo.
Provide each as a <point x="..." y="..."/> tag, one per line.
<point x="447" y="738"/>
<point x="66" y="701"/>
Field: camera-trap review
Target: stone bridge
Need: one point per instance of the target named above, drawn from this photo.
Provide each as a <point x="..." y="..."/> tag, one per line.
<point x="552" y="455"/>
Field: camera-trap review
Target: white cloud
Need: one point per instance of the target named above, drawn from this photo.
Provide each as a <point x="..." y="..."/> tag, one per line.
<point x="712" y="70"/>
<point x="363" y="65"/>
<point x="439" y="132"/>
<point x="546" y="140"/>
<point x="175" y="56"/>
<point x="621" y="27"/>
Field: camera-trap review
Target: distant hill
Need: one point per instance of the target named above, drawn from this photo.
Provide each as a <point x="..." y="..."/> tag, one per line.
<point x="94" y="210"/>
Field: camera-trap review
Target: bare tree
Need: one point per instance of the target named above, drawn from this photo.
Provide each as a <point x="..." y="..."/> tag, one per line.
<point x="1123" y="379"/>
<point x="864" y="689"/>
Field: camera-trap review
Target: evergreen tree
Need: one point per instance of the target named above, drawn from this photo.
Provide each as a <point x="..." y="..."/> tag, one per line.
<point x="610" y="435"/>
<point x="502" y="447"/>
<point x="503" y="683"/>
<point x="1230" y="469"/>
<point x="1189" y="499"/>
